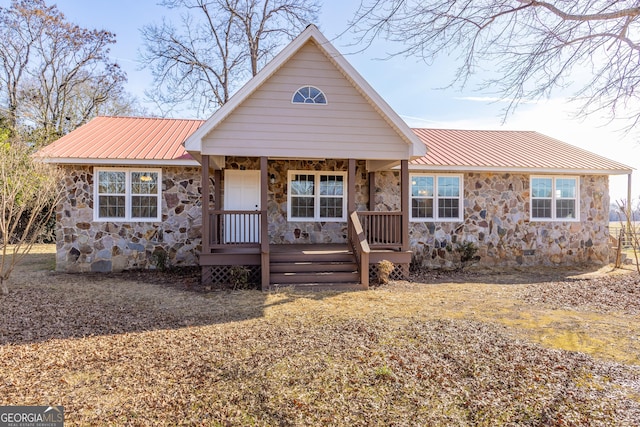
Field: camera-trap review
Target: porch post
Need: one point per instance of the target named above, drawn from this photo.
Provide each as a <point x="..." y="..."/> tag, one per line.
<point x="372" y="191"/>
<point x="351" y="193"/>
<point x="217" y="177"/>
<point x="206" y="223"/>
<point x="264" y="223"/>
<point x="404" y="199"/>
<point x="351" y="190"/>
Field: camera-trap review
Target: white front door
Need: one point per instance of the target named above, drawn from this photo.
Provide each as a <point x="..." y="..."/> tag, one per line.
<point x="242" y="193"/>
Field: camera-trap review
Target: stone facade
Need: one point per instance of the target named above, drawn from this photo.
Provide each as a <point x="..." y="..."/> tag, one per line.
<point x="282" y="231"/>
<point x="101" y="246"/>
<point x="496" y="221"/>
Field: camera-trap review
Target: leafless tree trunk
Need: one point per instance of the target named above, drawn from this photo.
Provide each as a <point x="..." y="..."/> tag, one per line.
<point x="533" y="46"/>
<point x="29" y="191"/>
<point x="54" y="75"/>
<point x="218" y="45"/>
<point x="631" y="230"/>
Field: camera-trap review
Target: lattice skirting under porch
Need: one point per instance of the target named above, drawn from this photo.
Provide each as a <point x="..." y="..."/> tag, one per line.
<point x="400" y="272"/>
<point x="227" y="277"/>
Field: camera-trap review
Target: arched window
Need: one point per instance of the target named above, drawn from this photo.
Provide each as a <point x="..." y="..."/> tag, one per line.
<point x="309" y="95"/>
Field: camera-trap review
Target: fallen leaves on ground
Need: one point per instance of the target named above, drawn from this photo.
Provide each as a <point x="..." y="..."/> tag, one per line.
<point x="131" y="349"/>
<point x="618" y="293"/>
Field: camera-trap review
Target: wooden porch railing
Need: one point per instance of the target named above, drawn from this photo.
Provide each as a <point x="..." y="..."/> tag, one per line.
<point x="383" y="230"/>
<point x="235" y="228"/>
<point x="361" y="250"/>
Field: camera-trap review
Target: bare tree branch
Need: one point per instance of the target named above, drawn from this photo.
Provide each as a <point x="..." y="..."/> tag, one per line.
<point x="29" y="191"/>
<point x="219" y="44"/>
<point x="534" y="47"/>
<point x="54" y="75"/>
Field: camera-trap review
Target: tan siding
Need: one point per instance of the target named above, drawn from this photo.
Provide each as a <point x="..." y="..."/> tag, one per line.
<point x="267" y="123"/>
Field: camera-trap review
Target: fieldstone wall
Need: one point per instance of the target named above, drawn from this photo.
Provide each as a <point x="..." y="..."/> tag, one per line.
<point x="497" y="221"/>
<point x="281" y="231"/>
<point x="85" y="245"/>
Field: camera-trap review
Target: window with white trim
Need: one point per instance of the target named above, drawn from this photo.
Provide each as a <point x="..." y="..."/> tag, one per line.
<point x="436" y="197"/>
<point x="317" y="196"/>
<point x="127" y="194"/>
<point x="309" y="95"/>
<point x="554" y="198"/>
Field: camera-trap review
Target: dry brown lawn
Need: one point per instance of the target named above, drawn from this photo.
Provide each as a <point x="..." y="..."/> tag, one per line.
<point x="549" y="347"/>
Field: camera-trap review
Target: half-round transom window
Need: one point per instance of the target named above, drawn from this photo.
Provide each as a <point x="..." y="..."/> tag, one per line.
<point x="309" y="95"/>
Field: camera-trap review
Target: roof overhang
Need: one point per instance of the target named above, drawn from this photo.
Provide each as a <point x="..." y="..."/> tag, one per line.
<point x="511" y="169"/>
<point x="121" y="162"/>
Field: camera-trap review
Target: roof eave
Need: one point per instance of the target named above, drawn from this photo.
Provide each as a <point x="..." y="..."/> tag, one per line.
<point x="503" y="169"/>
<point x="121" y="162"/>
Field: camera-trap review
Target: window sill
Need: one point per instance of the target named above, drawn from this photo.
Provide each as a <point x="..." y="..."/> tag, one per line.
<point x="317" y="220"/>
<point x="419" y="220"/>
<point x="554" y="220"/>
<point x="127" y="220"/>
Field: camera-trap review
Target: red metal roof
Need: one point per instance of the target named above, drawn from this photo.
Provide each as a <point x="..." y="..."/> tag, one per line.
<point x="502" y="150"/>
<point x="125" y="138"/>
<point x="119" y="140"/>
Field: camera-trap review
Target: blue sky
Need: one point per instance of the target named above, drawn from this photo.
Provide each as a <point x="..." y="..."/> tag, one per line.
<point x="408" y="85"/>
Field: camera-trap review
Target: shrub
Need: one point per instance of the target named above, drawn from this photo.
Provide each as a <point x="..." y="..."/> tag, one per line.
<point x="239" y="277"/>
<point x="160" y="259"/>
<point x="468" y="253"/>
<point x="385" y="268"/>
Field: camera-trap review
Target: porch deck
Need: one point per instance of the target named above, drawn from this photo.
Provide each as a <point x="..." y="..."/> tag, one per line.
<point x="305" y="266"/>
<point x="233" y="237"/>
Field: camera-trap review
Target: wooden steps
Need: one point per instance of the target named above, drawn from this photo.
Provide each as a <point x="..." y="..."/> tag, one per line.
<point x="315" y="268"/>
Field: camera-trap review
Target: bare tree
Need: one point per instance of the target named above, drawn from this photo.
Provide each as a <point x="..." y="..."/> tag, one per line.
<point x="590" y="47"/>
<point x="54" y="75"/>
<point x="28" y="190"/>
<point x="218" y="45"/>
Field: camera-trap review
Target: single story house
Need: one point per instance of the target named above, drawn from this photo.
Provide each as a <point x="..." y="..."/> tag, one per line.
<point x="308" y="176"/>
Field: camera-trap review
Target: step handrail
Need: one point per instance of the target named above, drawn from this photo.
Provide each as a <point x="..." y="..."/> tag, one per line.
<point x="360" y="246"/>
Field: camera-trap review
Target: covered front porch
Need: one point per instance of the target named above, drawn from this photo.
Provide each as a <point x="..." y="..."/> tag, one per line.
<point x="249" y="238"/>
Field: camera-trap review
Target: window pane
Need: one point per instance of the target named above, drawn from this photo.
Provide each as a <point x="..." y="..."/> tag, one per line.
<point x="319" y="98"/>
<point x="566" y="188"/>
<point x="144" y="207"/>
<point x="448" y="208"/>
<point x="302" y="185"/>
<point x="331" y="185"/>
<point x="331" y="207"/>
<point x="309" y="95"/>
<point x="302" y="207"/>
<point x="541" y="187"/>
<point x="541" y="208"/>
<point x="144" y="183"/>
<point x="422" y="208"/>
<point x="448" y="186"/>
<point x="422" y="186"/>
<point x="111" y="182"/>
<point x="111" y="207"/>
<point x="565" y="209"/>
